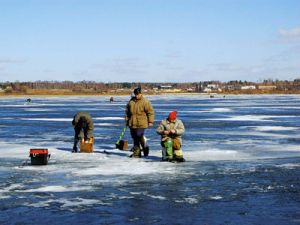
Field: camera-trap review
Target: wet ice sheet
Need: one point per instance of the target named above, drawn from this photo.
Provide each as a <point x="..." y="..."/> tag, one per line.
<point x="242" y="158"/>
<point x="101" y="182"/>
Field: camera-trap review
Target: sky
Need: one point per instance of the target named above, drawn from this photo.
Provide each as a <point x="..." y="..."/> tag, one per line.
<point x="149" y="40"/>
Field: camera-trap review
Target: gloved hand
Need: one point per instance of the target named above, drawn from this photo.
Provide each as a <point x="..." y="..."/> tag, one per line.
<point x="166" y="132"/>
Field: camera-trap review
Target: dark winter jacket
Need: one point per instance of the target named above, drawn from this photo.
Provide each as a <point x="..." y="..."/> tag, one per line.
<point x="83" y="120"/>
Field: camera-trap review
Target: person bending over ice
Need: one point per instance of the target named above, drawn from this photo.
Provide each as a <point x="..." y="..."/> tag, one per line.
<point x="83" y="127"/>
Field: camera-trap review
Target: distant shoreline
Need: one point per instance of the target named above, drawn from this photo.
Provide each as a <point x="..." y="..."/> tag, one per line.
<point x="90" y="88"/>
<point x="145" y="94"/>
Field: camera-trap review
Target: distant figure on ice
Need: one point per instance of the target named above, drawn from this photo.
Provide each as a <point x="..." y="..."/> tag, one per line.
<point x="171" y="130"/>
<point x="111" y="99"/>
<point x="83" y="127"/>
<point x="28" y="100"/>
<point x="139" y="115"/>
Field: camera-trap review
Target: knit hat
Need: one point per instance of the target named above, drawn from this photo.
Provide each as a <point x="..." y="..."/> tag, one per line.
<point x="172" y="115"/>
<point x="137" y="91"/>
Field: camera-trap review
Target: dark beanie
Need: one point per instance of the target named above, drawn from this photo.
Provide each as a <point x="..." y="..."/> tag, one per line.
<point x="137" y="91"/>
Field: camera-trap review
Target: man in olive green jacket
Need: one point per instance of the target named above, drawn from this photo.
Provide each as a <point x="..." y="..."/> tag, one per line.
<point x="139" y="115"/>
<point x="171" y="130"/>
<point x="83" y="127"/>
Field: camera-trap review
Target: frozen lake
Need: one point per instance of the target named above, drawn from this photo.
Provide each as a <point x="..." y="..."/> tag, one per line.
<point x="242" y="152"/>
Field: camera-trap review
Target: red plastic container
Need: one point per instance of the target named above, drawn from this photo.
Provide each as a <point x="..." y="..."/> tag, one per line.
<point x="39" y="156"/>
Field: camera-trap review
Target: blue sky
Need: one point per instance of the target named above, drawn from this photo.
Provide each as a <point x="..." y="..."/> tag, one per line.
<point x="149" y="40"/>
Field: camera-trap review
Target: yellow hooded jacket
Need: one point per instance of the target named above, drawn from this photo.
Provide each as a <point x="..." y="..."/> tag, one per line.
<point x="139" y="113"/>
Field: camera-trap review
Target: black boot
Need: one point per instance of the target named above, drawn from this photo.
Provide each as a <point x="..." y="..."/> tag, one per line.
<point x="146" y="151"/>
<point x="75" y="149"/>
<point x="136" y="152"/>
<point x="144" y="146"/>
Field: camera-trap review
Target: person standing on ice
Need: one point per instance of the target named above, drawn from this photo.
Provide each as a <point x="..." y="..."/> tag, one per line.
<point x="171" y="129"/>
<point x="83" y="127"/>
<point x="139" y="115"/>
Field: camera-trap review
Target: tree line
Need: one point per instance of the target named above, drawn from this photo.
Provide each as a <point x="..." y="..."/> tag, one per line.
<point x="92" y="87"/>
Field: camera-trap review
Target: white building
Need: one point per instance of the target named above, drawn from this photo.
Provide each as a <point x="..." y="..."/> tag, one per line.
<point x="249" y="87"/>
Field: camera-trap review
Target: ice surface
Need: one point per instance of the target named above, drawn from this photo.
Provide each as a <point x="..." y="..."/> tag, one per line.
<point x="108" y="118"/>
<point x="274" y="128"/>
<point x="47" y="119"/>
<point x="242" y="157"/>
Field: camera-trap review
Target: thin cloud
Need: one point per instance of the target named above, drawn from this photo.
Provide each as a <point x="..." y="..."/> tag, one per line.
<point x="4" y="61"/>
<point x="294" y="32"/>
<point x="121" y="65"/>
<point x="124" y="68"/>
<point x="173" y="54"/>
<point x="290" y="34"/>
<point x="286" y="55"/>
<point x="169" y="66"/>
<point x="228" y="67"/>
